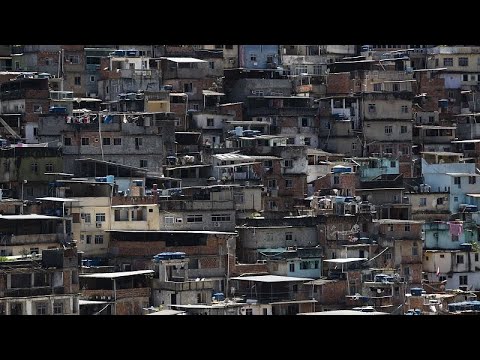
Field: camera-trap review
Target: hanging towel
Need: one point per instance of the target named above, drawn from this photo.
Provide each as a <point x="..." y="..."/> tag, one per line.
<point x="456" y="228"/>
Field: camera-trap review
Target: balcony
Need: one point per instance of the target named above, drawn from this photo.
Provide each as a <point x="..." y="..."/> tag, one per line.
<point x="183" y="285"/>
<point x="38" y="291"/>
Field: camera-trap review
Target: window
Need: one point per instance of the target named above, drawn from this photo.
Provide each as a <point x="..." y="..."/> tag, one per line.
<point x="388" y="256"/>
<point x="48" y="167"/>
<point x="439" y="201"/>
<point x="457" y="181"/>
<point x="143" y="163"/>
<point x="454" y="237"/>
<point x="16" y="309"/>
<point x="218" y="46"/>
<point x="209" y="121"/>
<point x="88" y="239"/>
<point x="41" y="308"/>
<point x="442" y="256"/>
<point x="67" y="141"/>
<point x="253" y="57"/>
<point x="354" y="146"/>
<point x="288" y="183"/>
<point x="85" y="141"/>
<point x="405" y="109"/>
<point x="307" y="141"/>
<point x="406" y="271"/>
<point x="169" y="220"/>
<point x="98" y="239"/>
<point x="290" y="141"/>
<point x="396" y="87"/>
<point x="117" y="141"/>
<point x="291" y="267"/>
<point x="407" y="228"/>
<point x="336" y="180"/>
<point x="472" y="179"/>
<point x="317" y="69"/>
<point x="187" y="87"/>
<point x="37" y="109"/>
<point x="462" y="61"/>
<point x="248" y="311"/>
<point x="288" y="236"/>
<point x="106" y="141"/>
<point x="78" y="80"/>
<point x="459" y="259"/>
<point x="229" y="47"/>
<point x="463" y="279"/>
<point x="272" y="183"/>
<point x="34" y="167"/>
<point x="415" y="249"/>
<point x="100" y="217"/>
<point x="73" y="59"/>
<point x="86" y="217"/>
<point x="221" y="217"/>
<point x="268" y="163"/>
<point x="390" y="227"/>
<point x="372" y="108"/>
<point x="388" y="129"/>
<point x="465" y="77"/>
<point x="288" y="163"/>
<point x="57" y="308"/>
<point x="442" y="278"/>
<point x="92" y="78"/>
<point x="377" y="87"/>
<point x="403" y="129"/>
<point x="272" y="205"/>
<point x="194" y="218"/>
<point x="138" y="142"/>
<point x="305" y="122"/>
<point x="448" y="62"/>
<point x="211" y="65"/>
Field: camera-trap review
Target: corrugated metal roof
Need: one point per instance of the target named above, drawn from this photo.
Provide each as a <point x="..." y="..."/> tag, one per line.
<point x="232" y="157"/>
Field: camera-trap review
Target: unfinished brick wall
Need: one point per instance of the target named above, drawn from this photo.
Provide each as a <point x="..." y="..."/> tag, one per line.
<point x="433" y="87"/>
<point x="235" y="108"/>
<point x="338" y="83"/>
<point x="405" y="168"/>
<point x="332" y="293"/>
<point x="131" y="306"/>
<point x="239" y="269"/>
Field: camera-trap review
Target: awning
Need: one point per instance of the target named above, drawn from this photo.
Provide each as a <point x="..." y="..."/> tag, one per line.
<point x="50" y="198"/>
<point x="345" y="260"/>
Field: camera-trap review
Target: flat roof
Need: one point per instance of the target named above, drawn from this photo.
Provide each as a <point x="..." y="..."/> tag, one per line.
<point x="461" y="174"/>
<point x="344" y="260"/>
<point x="446" y="153"/>
<point x="175" y="232"/>
<point x="474" y="195"/>
<point x="465" y="141"/>
<point x="29" y="217"/>
<point x="91" y="302"/>
<point x="238" y="164"/>
<point x="212" y="93"/>
<point x="344" y="312"/>
<point x="270" y="278"/>
<point x="51" y="198"/>
<point x="115" y="275"/>
<point x="382" y="188"/>
<point x="168" y="312"/>
<point x="435" y="127"/>
<point x="183" y="59"/>
<point x="213" y="306"/>
<point x="178" y="94"/>
<point x="398" y="221"/>
<point x="186" y="167"/>
<point x="133" y="205"/>
<point x="321" y="282"/>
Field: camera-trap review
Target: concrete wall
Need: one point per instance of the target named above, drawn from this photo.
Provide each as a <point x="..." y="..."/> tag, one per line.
<point x="200" y="120"/>
<point x="243" y="88"/>
<point x="431" y="204"/>
<point x="376" y="130"/>
<point x="438" y="236"/>
<point x="261" y="52"/>
<point x="387" y="108"/>
<point x="435" y="174"/>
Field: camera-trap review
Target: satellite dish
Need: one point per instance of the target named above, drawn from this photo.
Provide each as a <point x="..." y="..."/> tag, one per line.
<point x="369" y="197"/>
<point x="355" y="228"/>
<point x="358" y="198"/>
<point x="415" y="188"/>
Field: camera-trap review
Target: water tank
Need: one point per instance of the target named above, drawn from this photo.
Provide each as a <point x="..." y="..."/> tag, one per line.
<point x="238" y="131"/>
<point x="219" y="296"/>
<point x="110" y="179"/>
<point x="416" y="291"/>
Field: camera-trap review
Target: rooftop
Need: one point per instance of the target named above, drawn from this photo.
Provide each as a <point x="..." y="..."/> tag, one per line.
<point x="270" y="278"/>
<point x="115" y="275"/>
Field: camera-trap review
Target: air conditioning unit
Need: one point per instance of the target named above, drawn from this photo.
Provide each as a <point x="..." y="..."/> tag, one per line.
<point x="98" y="224"/>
